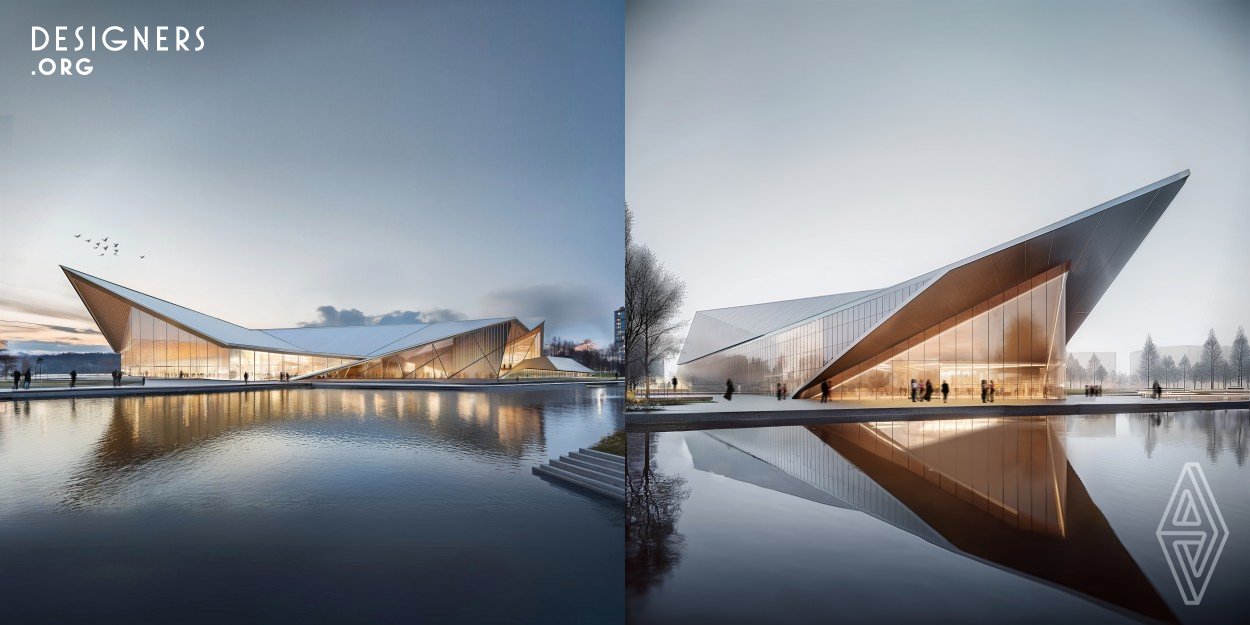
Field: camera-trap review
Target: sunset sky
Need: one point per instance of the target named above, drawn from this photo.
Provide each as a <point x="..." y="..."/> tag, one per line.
<point x="441" y="159"/>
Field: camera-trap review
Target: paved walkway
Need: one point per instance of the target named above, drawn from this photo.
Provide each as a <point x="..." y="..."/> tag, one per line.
<point x="763" y="411"/>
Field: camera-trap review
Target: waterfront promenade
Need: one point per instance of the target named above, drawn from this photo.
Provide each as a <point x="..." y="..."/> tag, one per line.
<point x="766" y="411"/>
<point x="160" y="386"/>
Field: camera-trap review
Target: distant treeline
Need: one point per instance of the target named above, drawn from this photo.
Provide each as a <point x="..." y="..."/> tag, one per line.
<point x="92" y="362"/>
<point x="586" y="352"/>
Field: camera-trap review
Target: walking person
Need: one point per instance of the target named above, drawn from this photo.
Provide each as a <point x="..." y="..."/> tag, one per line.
<point x="779" y="391"/>
<point x="26" y="378"/>
<point x="73" y="377"/>
<point x="824" y="391"/>
<point x="913" y="390"/>
<point x="991" y="391"/>
<point x="674" y="384"/>
<point x="1158" y="390"/>
<point x="928" y="390"/>
<point x="245" y="377"/>
<point x="985" y="391"/>
<point x="946" y="390"/>
<point x="17" y="379"/>
<point x="729" y="390"/>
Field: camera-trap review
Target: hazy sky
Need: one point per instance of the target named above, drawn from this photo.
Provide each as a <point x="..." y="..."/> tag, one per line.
<point x="778" y="150"/>
<point x="406" y="156"/>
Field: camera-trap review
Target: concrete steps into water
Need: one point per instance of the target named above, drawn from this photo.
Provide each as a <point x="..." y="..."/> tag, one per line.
<point x="588" y="469"/>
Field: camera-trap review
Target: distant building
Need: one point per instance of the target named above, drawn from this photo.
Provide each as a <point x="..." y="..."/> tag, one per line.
<point x="1108" y="359"/>
<point x="618" y="319"/>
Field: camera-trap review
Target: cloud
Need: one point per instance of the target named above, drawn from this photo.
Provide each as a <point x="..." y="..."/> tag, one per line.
<point x="435" y="315"/>
<point x="72" y="330"/>
<point x="42" y="309"/>
<point x="26" y="332"/>
<point x="333" y="316"/>
<point x="568" y="310"/>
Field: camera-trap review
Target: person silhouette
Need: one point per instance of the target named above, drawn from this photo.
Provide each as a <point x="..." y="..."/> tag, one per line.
<point x="824" y="391"/>
<point x="73" y="377"/>
<point x="729" y="390"/>
<point x="985" y="391"/>
<point x="245" y="377"/>
<point x="779" y="391"/>
<point x="674" y="384"/>
<point x="928" y="390"/>
<point x="946" y="390"/>
<point x="17" y="379"/>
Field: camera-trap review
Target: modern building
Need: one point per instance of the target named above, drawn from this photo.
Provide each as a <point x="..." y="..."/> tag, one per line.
<point x="618" y="323"/>
<point x="1108" y="360"/>
<point x="1004" y="315"/>
<point x="159" y="339"/>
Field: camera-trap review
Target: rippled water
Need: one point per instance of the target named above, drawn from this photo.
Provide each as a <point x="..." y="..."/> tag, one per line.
<point x="1036" y="520"/>
<point x="306" y="505"/>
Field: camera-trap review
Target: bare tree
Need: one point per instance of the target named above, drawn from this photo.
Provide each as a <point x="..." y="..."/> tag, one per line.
<point x="653" y="299"/>
<point x="1075" y="370"/>
<point x="1183" y="367"/>
<point x="1168" y="371"/>
<point x="1099" y="374"/>
<point x="7" y="361"/>
<point x="1149" y="363"/>
<point x="1211" y="361"/>
<point x="1239" y="356"/>
<point x="1092" y="368"/>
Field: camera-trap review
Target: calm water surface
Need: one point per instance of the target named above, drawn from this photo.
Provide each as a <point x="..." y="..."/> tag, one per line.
<point x="306" y="505"/>
<point x="1018" y="520"/>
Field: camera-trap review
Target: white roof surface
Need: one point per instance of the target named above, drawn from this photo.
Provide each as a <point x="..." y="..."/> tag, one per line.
<point x="350" y="341"/>
<point x="552" y="363"/>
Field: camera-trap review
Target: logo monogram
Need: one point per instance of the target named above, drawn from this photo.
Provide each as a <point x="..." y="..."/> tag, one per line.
<point x="1192" y="533"/>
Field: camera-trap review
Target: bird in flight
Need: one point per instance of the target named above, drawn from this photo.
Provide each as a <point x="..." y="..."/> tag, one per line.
<point x="142" y="257"/>
<point x="101" y="254"/>
<point x="88" y="240"/>
<point x="77" y="235"/>
<point x="106" y="239"/>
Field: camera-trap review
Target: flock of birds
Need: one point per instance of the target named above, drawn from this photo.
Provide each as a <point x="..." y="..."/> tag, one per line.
<point x="115" y="247"/>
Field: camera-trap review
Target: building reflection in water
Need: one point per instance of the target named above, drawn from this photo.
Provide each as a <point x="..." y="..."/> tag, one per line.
<point x="145" y="429"/>
<point x="999" y="490"/>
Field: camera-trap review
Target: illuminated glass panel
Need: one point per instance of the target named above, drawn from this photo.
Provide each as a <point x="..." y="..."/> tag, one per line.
<point x="976" y="344"/>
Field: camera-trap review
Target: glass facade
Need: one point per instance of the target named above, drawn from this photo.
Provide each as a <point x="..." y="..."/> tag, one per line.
<point x="157" y="349"/>
<point x="476" y="355"/>
<point x="794" y="355"/>
<point x="1017" y="339"/>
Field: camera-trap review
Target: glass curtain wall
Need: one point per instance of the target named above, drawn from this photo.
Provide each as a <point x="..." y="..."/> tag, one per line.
<point x="158" y="349"/>
<point x="1016" y="340"/>
<point x="473" y="355"/>
<point x="794" y="355"/>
